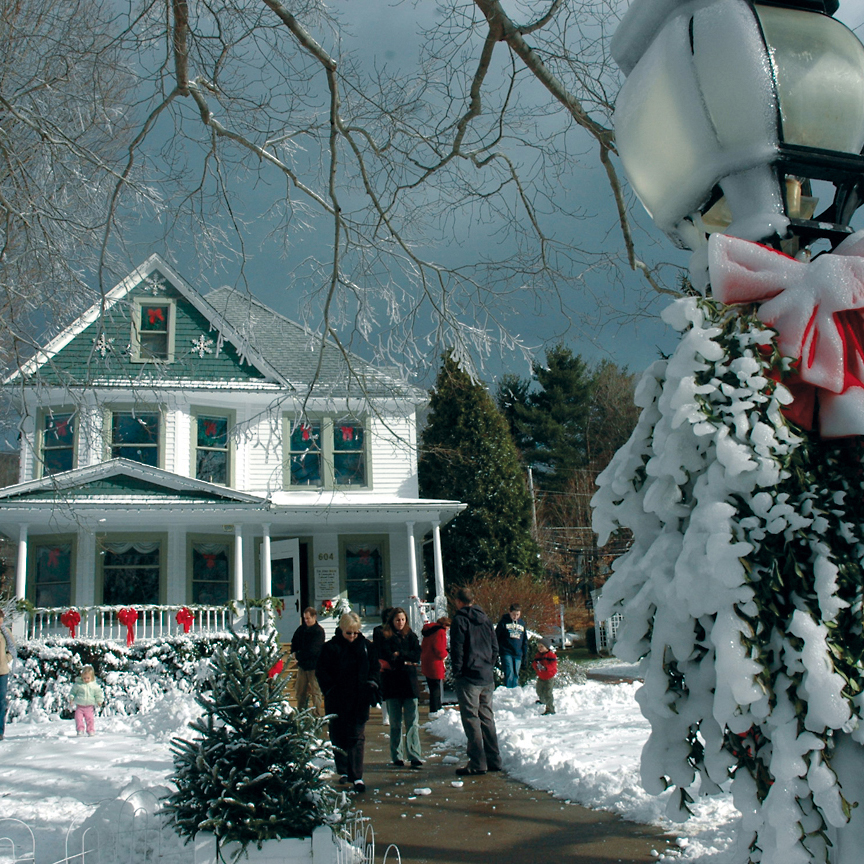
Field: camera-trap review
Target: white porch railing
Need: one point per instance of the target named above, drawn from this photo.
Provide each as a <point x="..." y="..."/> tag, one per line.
<point x="154" y="622"/>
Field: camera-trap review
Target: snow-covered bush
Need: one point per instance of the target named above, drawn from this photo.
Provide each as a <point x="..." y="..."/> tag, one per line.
<point x="742" y="592"/>
<point x="133" y="678"/>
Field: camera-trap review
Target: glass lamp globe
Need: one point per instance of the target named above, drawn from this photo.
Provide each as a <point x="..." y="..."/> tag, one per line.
<point x="731" y="108"/>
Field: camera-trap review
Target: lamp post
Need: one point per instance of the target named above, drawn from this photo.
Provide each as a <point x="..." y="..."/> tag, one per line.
<point x="743" y="484"/>
<point x="729" y="111"/>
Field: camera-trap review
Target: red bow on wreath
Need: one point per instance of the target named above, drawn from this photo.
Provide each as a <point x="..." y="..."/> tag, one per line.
<point x="128" y="617"/>
<point x="185" y="618"/>
<point x="155" y="314"/>
<point x="347" y="433"/>
<point x="817" y="310"/>
<point x="305" y="431"/>
<point x="210" y="558"/>
<point x="53" y="557"/>
<point x="71" y="619"/>
<point x="210" y="429"/>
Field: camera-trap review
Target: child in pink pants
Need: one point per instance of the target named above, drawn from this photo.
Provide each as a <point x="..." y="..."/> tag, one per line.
<point x="86" y="695"/>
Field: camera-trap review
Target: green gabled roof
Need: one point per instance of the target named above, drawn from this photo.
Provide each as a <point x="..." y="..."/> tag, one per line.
<point x="96" y="349"/>
<point x="226" y="338"/>
<point x="122" y="479"/>
<point x="296" y="353"/>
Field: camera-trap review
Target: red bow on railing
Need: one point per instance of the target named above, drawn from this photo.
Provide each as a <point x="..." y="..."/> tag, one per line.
<point x="817" y="309"/>
<point x="128" y="617"/>
<point x="185" y="618"/>
<point x="71" y="619"/>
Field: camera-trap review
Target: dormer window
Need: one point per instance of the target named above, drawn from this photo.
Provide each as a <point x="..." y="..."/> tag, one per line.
<point x="153" y="331"/>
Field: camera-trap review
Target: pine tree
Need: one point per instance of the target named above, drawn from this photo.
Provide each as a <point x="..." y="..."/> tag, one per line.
<point x="468" y="455"/>
<point x="254" y="770"/>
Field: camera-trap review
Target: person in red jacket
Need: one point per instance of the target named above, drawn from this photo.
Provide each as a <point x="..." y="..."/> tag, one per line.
<point x="546" y="667"/>
<point x="433" y="652"/>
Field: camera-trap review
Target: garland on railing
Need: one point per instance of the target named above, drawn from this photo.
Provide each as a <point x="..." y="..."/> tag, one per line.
<point x="742" y="591"/>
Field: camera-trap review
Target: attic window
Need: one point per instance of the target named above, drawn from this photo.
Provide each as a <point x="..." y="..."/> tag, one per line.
<point x="153" y="331"/>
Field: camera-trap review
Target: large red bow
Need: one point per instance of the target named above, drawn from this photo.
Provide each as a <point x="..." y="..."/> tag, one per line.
<point x="817" y="309"/>
<point x="128" y="617"/>
<point x="71" y="618"/>
<point x="155" y="314"/>
<point x="185" y="618"/>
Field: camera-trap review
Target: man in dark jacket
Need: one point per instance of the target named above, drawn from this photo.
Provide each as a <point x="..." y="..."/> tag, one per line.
<point x="473" y="652"/>
<point x="512" y="644"/>
<point x="306" y="645"/>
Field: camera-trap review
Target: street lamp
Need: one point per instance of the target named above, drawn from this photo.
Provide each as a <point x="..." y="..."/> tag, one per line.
<point x="731" y="108"/>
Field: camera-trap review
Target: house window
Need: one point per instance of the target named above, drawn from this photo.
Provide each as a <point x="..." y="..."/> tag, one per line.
<point x="153" y="331"/>
<point x="53" y="574"/>
<point x="364" y="573"/>
<point x="130" y="572"/>
<point x="211" y="449"/>
<point x="306" y="457"/>
<point x="135" y="436"/>
<point x="58" y="443"/>
<point x="210" y="573"/>
<point x="327" y="453"/>
<point x="349" y="455"/>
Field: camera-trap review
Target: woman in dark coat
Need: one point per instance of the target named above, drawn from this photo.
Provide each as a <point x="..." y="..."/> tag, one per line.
<point x="400" y="648"/>
<point x="348" y="674"/>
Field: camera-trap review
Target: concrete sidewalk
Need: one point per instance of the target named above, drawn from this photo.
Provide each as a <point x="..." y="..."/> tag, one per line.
<point x="491" y="819"/>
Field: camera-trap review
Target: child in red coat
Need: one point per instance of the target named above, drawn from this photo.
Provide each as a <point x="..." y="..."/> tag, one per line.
<point x="546" y="667"/>
<point x="433" y="651"/>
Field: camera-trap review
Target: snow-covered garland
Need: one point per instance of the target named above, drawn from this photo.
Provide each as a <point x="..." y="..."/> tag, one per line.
<point x="742" y="591"/>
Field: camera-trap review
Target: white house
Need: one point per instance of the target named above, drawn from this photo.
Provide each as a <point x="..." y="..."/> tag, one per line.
<point x="182" y="450"/>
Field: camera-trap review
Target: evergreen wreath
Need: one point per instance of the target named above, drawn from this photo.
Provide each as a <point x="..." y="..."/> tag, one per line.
<point x="742" y="592"/>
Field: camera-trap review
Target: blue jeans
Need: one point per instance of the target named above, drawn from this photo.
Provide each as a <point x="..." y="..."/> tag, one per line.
<point x="478" y="721"/>
<point x="397" y="709"/>
<point x="4" y="683"/>
<point x="511" y="664"/>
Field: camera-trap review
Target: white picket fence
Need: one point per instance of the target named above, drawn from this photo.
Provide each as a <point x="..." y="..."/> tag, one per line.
<point x="154" y="622"/>
<point x="132" y="831"/>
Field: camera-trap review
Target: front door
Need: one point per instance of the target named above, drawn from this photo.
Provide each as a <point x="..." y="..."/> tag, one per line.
<point x="285" y="585"/>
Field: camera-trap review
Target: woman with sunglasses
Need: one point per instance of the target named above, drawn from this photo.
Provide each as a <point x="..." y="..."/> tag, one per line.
<point x="348" y="673"/>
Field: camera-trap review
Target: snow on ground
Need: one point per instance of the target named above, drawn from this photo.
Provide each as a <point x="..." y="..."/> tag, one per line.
<point x="587" y="753"/>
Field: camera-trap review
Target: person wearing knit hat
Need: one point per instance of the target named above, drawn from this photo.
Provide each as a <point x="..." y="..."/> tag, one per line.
<point x="546" y="667"/>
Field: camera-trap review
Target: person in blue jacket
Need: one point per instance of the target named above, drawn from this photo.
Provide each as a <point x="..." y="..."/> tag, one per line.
<point x="512" y="637"/>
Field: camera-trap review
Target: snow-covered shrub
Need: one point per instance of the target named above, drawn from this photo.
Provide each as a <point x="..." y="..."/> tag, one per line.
<point x="133" y="678"/>
<point x="742" y="592"/>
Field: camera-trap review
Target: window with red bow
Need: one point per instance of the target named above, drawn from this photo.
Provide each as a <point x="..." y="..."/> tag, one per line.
<point x="152" y="335"/>
<point x="326" y="452"/>
<point x="210" y="573"/>
<point x="212" y="452"/>
<point x="53" y="574"/>
<point x="58" y="442"/>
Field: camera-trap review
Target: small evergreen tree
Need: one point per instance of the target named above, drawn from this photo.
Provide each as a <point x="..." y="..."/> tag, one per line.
<point x="254" y="770"/>
<point x="468" y="455"/>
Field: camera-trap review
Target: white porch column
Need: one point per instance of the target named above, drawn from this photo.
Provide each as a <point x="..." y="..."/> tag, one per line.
<point x="439" y="560"/>
<point x="412" y="560"/>
<point x="21" y="572"/>
<point x="266" y="581"/>
<point x="237" y="594"/>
